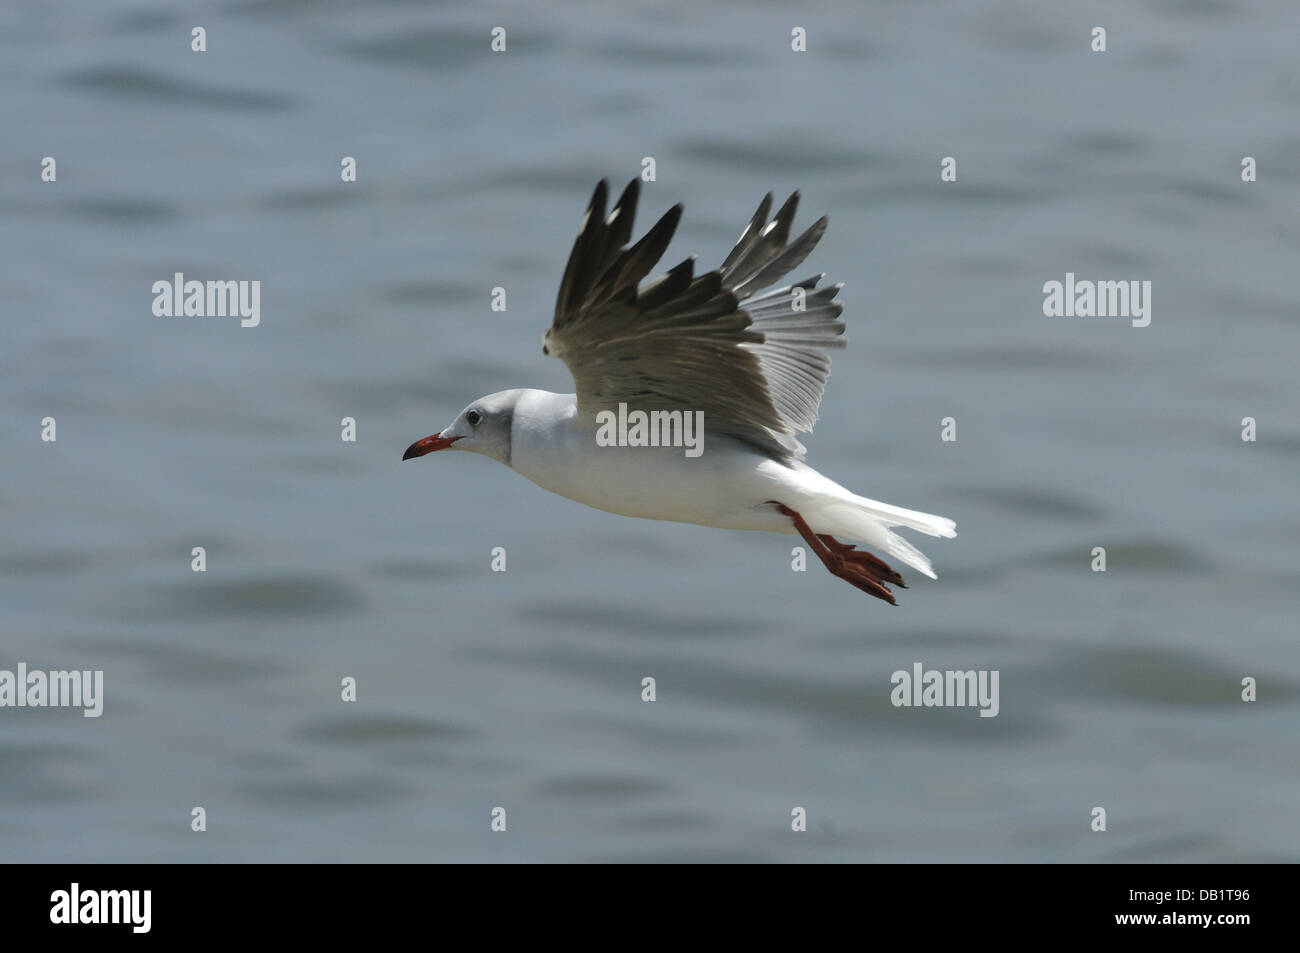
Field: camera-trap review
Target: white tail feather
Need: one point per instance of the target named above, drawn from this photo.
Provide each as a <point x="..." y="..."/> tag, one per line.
<point x="926" y="523"/>
<point x="869" y="521"/>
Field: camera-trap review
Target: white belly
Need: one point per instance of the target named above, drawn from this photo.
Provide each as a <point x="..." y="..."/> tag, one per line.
<point x="727" y="486"/>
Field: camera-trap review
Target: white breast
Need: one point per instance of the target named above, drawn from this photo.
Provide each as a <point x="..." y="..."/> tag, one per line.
<point x="727" y="485"/>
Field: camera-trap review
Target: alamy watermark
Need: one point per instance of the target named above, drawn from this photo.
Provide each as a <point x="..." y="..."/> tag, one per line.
<point x="1099" y="299"/>
<point x="61" y="689"/>
<point x="931" y="688"/>
<point x="75" y="905"/>
<point x="655" y="428"/>
<point x="208" y="299"/>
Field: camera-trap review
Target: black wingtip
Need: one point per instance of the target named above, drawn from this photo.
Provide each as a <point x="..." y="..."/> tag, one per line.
<point x="630" y="191"/>
<point x="788" y="210"/>
<point x="622" y="217"/>
<point x="661" y="232"/>
<point x="599" y="197"/>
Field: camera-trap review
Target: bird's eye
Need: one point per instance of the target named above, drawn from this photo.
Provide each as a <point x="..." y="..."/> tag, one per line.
<point x="473" y="418"/>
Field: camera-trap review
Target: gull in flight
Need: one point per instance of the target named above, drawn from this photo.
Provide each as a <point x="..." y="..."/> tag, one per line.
<point x="746" y="366"/>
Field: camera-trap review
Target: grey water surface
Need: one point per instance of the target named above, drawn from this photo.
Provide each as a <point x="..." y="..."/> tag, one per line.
<point x="475" y="689"/>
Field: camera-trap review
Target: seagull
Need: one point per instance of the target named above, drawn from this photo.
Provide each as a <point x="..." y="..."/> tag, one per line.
<point x="747" y="364"/>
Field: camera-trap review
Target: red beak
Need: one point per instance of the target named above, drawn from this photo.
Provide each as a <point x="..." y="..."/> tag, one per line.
<point x="428" y="445"/>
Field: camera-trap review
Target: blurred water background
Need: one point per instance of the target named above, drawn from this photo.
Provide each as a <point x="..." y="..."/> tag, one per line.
<point x="477" y="689"/>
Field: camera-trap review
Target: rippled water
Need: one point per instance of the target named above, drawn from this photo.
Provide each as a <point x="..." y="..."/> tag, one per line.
<point x="477" y="689"/>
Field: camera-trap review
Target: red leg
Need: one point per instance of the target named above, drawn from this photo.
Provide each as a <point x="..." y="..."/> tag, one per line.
<point x="869" y="562"/>
<point x="858" y="569"/>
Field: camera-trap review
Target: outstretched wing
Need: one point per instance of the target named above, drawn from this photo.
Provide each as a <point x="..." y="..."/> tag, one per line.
<point x="754" y="364"/>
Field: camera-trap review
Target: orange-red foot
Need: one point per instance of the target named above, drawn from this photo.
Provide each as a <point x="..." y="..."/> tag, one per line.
<point x="861" y="570"/>
<point x="855" y="555"/>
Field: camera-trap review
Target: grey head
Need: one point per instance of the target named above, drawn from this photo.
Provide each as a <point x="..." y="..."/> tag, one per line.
<point x="482" y="427"/>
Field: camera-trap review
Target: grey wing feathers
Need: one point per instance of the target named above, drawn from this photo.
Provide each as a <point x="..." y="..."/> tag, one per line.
<point x="754" y="363"/>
